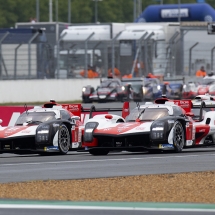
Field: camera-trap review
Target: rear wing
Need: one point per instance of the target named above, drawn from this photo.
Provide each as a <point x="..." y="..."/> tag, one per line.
<point x="199" y="109"/>
<point x="92" y="110"/>
<point x="185" y="104"/>
<point x="78" y="109"/>
<point x="75" y="109"/>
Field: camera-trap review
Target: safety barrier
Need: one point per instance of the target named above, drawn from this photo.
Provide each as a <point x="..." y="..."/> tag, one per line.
<point x="43" y="90"/>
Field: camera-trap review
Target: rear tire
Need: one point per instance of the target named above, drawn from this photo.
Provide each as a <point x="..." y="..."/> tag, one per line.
<point x="63" y="139"/>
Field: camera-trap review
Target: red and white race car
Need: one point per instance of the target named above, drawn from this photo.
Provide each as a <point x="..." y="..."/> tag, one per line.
<point x="207" y="85"/>
<point x="164" y="125"/>
<point x="51" y="128"/>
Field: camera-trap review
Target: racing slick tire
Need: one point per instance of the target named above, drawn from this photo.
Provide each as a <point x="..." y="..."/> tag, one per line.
<point x="63" y="139"/>
<point x="178" y="137"/>
<point x="99" y="152"/>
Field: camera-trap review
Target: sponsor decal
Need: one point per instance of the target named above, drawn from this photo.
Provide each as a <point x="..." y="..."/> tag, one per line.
<point x="163" y="146"/>
<point x="124" y="126"/>
<point x="158" y="129"/>
<point x="12" y="129"/>
<point x="189" y="143"/>
<point x="75" y="145"/>
<point x="50" y="148"/>
<point x="202" y="130"/>
<point x="193" y="133"/>
<point x="140" y="128"/>
<point x="55" y="125"/>
<point x="106" y="129"/>
<point x="171" y="121"/>
<point x="74" y="108"/>
<point x="118" y="144"/>
<point x="188" y="124"/>
<point x="26" y="131"/>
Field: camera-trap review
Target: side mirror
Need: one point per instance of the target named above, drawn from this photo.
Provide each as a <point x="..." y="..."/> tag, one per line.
<point x="75" y="118"/>
<point x="190" y="114"/>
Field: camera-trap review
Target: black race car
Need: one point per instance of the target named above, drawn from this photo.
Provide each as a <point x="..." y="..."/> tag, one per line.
<point x="133" y="89"/>
<point x="109" y="90"/>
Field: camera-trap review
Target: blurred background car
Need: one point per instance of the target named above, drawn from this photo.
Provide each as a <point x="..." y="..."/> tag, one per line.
<point x="133" y="88"/>
<point x="207" y="85"/>
<point x="109" y="90"/>
<point x="190" y="90"/>
<point x="173" y="88"/>
<point x="152" y="88"/>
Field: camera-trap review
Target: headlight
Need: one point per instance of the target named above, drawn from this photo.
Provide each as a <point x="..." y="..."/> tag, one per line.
<point x="42" y="133"/>
<point x="122" y="88"/>
<point x="157" y="130"/>
<point x="158" y="87"/>
<point x="144" y="90"/>
<point x="184" y="86"/>
<point x="88" y="131"/>
<point x="84" y="89"/>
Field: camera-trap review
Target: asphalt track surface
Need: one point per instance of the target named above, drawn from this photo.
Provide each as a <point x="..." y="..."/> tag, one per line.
<point x="79" y="165"/>
<point x="76" y="165"/>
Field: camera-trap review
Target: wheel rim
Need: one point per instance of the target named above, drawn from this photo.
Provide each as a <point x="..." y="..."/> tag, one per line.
<point x="64" y="139"/>
<point x="179" y="136"/>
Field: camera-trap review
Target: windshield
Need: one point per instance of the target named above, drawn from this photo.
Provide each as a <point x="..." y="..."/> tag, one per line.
<point x="35" y="117"/>
<point x="147" y="114"/>
<point x="109" y="84"/>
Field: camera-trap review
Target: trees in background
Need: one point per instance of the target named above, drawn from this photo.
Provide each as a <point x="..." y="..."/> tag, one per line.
<point x="82" y="11"/>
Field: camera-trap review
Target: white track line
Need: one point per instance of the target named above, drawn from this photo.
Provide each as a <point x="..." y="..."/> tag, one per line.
<point x="102" y="160"/>
<point x="66" y="207"/>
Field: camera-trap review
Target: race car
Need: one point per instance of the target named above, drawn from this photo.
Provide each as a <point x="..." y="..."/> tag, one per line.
<point x="164" y="125"/>
<point x="133" y="89"/>
<point x="152" y="88"/>
<point x="190" y="90"/>
<point x="51" y="128"/>
<point x="173" y="88"/>
<point x="207" y="85"/>
<point x="109" y="90"/>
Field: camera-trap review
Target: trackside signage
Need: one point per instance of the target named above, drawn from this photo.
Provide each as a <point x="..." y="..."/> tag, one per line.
<point x="174" y="13"/>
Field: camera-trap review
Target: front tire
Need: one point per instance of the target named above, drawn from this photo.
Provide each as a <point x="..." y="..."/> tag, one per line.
<point x="178" y="137"/>
<point x="63" y="139"/>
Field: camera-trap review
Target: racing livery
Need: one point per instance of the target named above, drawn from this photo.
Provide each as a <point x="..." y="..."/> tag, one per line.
<point x="165" y="125"/>
<point x="51" y="128"/>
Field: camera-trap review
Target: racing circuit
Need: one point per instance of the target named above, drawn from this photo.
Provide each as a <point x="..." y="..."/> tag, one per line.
<point x="82" y="165"/>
